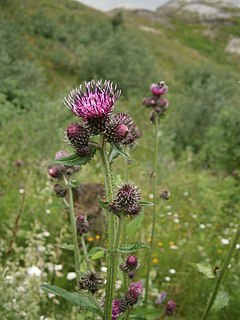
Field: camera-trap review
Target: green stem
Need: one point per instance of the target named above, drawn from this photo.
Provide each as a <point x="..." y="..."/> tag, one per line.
<point x="221" y="275"/>
<point x="88" y="262"/>
<point x="127" y="314"/>
<point x="112" y="236"/>
<point x="154" y="211"/>
<point x="74" y="229"/>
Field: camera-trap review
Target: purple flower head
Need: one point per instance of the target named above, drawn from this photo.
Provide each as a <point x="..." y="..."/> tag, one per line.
<point x="82" y="224"/>
<point x="116" y="308"/>
<point x="136" y="288"/>
<point x="161" y="297"/>
<point x="158" y="89"/>
<point x="78" y="134"/>
<point x="130" y="264"/>
<point x="95" y="101"/>
<point x="91" y="281"/>
<point x="127" y="200"/>
<point x="121" y="129"/>
<point x="170" y="308"/>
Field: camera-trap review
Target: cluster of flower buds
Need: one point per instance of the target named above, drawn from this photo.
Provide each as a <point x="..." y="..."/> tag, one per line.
<point x="91" y="281"/>
<point x="94" y="104"/>
<point x="157" y="102"/>
<point x="131" y="298"/>
<point x="130" y="266"/>
<point x="82" y="224"/>
<point x="127" y="201"/>
<point x="58" y="170"/>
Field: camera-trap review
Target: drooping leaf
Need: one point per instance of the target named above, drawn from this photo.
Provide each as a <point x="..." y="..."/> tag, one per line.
<point x="120" y="151"/>
<point x="131" y="248"/>
<point x="73" y="159"/>
<point x="221" y="301"/>
<point x="79" y="299"/>
<point x="145" y="204"/>
<point x="103" y="204"/>
<point x="99" y="254"/>
<point x="134" y="225"/>
<point x="205" y="268"/>
<point x="69" y="247"/>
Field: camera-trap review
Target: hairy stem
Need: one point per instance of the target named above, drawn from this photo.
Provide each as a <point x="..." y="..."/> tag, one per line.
<point x="74" y="228"/>
<point x="221" y="275"/>
<point x="88" y="262"/>
<point x="113" y="237"/>
<point x="154" y="210"/>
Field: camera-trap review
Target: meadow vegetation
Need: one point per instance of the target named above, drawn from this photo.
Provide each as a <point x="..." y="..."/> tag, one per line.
<point x="48" y="47"/>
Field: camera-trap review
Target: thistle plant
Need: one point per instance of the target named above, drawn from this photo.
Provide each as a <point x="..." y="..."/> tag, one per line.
<point x="158" y="106"/>
<point x="101" y="133"/>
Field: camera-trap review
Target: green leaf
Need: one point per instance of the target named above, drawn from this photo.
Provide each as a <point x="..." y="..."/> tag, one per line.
<point x="69" y="247"/>
<point x="134" y="225"/>
<point x="145" y="204"/>
<point x="103" y="204"/>
<point x="120" y="151"/>
<point x="130" y="248"/>
<point x="221" y="301"/>
<point x="74" y="160"/>
<point x="205" y="268"/>
<point x="99" y="254"/>
<point x="83" y="301"/>
<point x="113" y="155"/>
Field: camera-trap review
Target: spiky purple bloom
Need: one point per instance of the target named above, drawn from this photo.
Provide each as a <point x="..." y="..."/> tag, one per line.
<point x="161" y="297"/>
<point x="82" y="224"/>
<point x="121" y="129"/>
<point x="133" y="294"/>
<point x="130" y="264"/>
<point x="158" y="89"/>
<point x="116" y="308"/>
<point x="127" y="200"/>
<point x="96" y="100"/>
<point x="78" y="134"/>
<point x="91" y="281"/>
<point x="170" y="308"/>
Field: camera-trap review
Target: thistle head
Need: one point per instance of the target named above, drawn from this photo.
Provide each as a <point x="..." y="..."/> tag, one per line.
<point x="130" y="264"/>
<point x="170" y="308"/>
<point x="78" y="134"/>
<point x="91" y="281"/>
<point x="82" y="224"/>
<point x="116" y="308"/>
<point x="159" y="89"/>
<point x="93" y="100"/>
<point x="127" y="200"/>
<point x="121" y="129"/>
<point x="60" y="191"/>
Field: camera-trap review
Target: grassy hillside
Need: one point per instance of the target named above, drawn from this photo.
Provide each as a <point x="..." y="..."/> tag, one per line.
<point x="48" y="47"/>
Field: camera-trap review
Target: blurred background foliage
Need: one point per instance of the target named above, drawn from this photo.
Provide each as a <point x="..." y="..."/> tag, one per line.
<point x="48" y="47"/>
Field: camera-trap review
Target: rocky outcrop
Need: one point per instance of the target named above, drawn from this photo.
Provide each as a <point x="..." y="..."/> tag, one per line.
<point x="201" y="10"/>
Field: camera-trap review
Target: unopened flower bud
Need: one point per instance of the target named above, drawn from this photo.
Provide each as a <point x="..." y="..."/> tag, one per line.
<point x="127" y="200"/>
<point x="78" y="134"/>
<point x="158" y="89"/>
<point x="149" y="102"/>
<point x="170" y="308"/>
<point x="165" y="194"/>
<point x="91" y="281"/>
<point x="82" y="224"/>
<point x="60" y="190"/>
<point x="55" y="172"/>
<point x="130" y="264"/>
